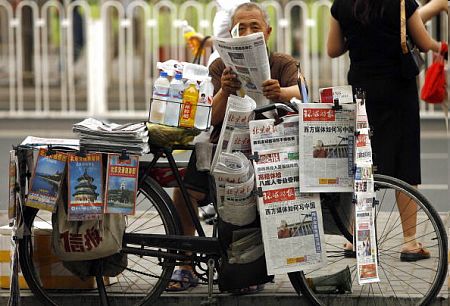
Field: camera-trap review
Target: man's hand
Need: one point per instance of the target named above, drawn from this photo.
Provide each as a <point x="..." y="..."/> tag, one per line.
<point x="229" y="82"/>
<point x="272" y="90"/>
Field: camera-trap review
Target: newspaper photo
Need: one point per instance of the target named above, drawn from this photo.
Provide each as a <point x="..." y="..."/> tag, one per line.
<point x="291" y="222"/>
<point x="247" y="56"/>
<point x="326" y="146"/>
<point x="365" y="231"/>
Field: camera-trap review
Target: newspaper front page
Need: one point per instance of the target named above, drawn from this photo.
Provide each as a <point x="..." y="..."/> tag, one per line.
<point x="291" y="221"/>
<point x="326" y="147"/>
<point x="365" y="235"/>
<point x="247" y="56"/>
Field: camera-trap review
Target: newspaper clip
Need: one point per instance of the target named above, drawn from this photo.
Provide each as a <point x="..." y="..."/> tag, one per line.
<point x="277" y="118"/>
<point x="124" y="155"/>
<point x="50" y="150"/>
<point x="235" y="31"/>
<point x="258" y="192"/>
<point x="336" y="105"/>
<point x="360" y="96"/>
<point x="254" y="157"/>
<point x="81" y="152"/>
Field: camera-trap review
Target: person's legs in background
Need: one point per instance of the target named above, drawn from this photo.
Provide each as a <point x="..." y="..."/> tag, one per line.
<point x="184" y="276"/>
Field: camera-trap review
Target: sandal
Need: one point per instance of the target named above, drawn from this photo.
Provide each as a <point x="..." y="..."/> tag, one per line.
<point x="248" y="290"/>
<point x="185" y="279"/>
<point x="409" y="256"/>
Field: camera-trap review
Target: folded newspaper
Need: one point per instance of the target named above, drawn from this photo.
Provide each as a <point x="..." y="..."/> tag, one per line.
<point x="99" y="136"/>
<point x="234" y="182"/>
<point x="235" y="135"/>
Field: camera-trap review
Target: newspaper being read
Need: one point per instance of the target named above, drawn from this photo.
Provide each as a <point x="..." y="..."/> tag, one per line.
<point x="365" y="234"/>
<point x="291" y="222"/>
<point x="326" y="147"/>
<point x="248" y="58"/>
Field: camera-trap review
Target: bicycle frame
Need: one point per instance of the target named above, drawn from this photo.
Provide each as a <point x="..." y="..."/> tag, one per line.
<point x="209" y="246"/>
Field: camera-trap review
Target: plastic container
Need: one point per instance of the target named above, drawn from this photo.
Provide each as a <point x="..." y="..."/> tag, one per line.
<point x="202" y="116"/>
<point x="175" y="99"/>
<point x="160" y="95"/>
<point x="189" y="107"/>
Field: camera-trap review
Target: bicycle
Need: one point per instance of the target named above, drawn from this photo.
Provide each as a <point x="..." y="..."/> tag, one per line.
<point x="154" y="245"/>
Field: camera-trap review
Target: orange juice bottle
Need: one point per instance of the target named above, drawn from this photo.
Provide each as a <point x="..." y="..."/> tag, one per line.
<point x="189" y="107"/>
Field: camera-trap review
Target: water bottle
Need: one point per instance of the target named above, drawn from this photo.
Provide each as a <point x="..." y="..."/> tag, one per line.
<point x="160" y="95"/>
<point x="175" y="99"/>
<point x="202" y="116"/>
<point x="189" y="107"/>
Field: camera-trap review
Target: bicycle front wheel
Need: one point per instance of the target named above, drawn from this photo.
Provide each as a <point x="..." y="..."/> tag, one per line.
<point x="401" y="282"/>
<point x="140" y="283"/>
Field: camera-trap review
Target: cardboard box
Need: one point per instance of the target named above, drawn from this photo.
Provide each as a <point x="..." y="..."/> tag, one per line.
<point x="51" y="270"/>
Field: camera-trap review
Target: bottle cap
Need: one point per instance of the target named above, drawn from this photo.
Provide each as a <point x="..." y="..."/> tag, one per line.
<point x="178" y="76"/>
<point x="163" y="74"/>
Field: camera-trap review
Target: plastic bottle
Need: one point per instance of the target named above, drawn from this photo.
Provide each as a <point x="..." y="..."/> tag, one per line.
<point x="188" y="33"/>
<point x="202" y="116"/>
<point x="160" y="95"/>
<point x="175" y="99"/>
<point x="189" y="107"/>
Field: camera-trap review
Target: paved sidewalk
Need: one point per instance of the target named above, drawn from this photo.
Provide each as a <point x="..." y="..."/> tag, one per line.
<point x="278" y="293"/>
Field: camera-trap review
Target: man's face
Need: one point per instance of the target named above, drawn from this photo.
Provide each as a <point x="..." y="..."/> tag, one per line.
<point x="251" y="21"/>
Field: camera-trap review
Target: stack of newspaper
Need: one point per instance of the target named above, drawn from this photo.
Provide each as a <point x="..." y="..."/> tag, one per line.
<point x="99" y="136"/>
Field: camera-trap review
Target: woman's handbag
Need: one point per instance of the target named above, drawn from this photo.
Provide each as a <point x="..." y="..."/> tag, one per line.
<point x="411" y="61"/>
<point x="435" y="86"/>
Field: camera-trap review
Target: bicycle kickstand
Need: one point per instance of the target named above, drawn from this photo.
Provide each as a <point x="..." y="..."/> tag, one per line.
<point x="211" y="301"/>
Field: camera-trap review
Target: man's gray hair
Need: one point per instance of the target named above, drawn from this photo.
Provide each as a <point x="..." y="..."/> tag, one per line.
<point x="249" y="6"/>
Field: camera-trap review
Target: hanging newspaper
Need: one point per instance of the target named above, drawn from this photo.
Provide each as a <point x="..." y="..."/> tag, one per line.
<point x="247" y="56"/>
<point x="12" y="184"/>
<point x="47" y="179"/>
<point x="326" y="147"/>
<point x="291" y="221"/>
<point x="365" y="235"/>
<point x="234" y="135"/>
<point x="343" y="94"/>
<point x="85" y="187"/>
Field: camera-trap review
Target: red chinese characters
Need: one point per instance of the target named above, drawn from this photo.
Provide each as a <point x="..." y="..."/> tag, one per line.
<point x="78" y="242"/>
<point x="279" y="195"/>
<point x="318" y="114"/>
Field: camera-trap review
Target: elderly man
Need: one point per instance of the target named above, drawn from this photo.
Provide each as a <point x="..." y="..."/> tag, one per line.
<point x="280" y="88"/>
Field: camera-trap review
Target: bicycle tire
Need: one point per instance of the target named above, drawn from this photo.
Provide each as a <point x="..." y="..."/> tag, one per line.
<point x="159" y="209"/>
<point x="420" y="286"/>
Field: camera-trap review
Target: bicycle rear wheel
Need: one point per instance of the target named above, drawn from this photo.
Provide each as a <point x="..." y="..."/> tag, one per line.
<point x="404" y="283"/>
<point x="140" y="283"/>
